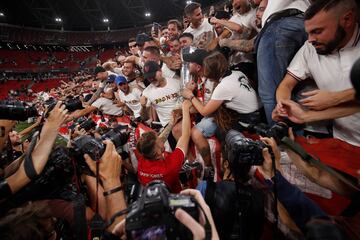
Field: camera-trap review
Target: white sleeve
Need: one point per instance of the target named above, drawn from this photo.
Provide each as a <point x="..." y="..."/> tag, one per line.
<point x="299" y="68"/>
<point x="221" y="93"/>
<point x="146" y="94"/>
<point x="137" y="92"/>
<point x="98" y="103"/>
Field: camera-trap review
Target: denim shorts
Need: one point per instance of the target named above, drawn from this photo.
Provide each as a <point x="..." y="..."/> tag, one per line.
<point x="207" y="126"/>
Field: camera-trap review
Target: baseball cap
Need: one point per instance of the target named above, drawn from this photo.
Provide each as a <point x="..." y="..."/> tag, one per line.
<point x="197" y="56"/>
<point x="120" y="79"/>
<point x="150" y="69"/>
<point x="99" y="69"/>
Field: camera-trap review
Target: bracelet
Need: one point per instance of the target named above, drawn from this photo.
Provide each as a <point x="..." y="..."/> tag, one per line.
<point x="191" y="98"/>
<point x="114" y="190"/>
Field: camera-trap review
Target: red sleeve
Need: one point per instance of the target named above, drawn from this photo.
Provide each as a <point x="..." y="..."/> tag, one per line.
<point x="175" y="160"/>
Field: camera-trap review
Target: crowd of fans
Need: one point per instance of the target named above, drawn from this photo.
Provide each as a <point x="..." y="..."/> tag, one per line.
<point x="253" y="111"/>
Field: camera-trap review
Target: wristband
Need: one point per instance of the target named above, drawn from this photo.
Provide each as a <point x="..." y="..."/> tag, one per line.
<point x="114" y="190"/>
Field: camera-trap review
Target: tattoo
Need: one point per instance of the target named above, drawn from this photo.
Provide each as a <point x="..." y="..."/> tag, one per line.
<point x="246" y="45"/>
<point x="166" y="132"/>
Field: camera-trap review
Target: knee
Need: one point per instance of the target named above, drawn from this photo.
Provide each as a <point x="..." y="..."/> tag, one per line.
<point x="196" y="134"/>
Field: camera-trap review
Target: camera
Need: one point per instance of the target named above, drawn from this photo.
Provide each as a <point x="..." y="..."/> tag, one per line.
<point x="152" y="215"/>
<point x="243" y="150"/>
<point x="190" y="171"/>
<point x="84" y="123"/>
<point x="71" y="104"/>
<point x="87" y="124"/>
<point x="16" y="110"/>
<point x="95" y="148"/>
<point x="278" y="131"/>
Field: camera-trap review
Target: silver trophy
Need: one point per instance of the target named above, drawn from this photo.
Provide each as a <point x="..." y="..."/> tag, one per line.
<point x="185" y="72"/>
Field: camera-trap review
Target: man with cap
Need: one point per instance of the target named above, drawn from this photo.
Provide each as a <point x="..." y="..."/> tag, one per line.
<point x="128" y="97"/>
<point x="104" y="76"/>
<point x="103" y="98"/>
<point x="162" y="93"/>
<point x="205" y="88"/>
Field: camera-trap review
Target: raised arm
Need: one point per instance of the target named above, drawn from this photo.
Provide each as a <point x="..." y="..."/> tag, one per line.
<point x="183" y="142"/>
<point x="204" y="110"/>
<point x="43" y="148"/>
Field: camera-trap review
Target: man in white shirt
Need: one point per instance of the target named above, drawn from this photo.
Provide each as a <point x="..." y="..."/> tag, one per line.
<point x="153" y="54"/>
<point x="129" y="97"/>
<point x="200" y="28"/>
<point x="327" y="57"/>
<point x="281" y="37"/>
<point x="163" y="93"/>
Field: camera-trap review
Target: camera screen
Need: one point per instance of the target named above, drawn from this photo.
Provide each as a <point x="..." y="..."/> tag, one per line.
<point x="152" y="233"/>
<point x="181" y="202"/>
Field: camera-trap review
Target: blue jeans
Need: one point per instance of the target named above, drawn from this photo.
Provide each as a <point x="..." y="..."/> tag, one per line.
<point x="207" y="126"/>
<point x="276" y="48"/>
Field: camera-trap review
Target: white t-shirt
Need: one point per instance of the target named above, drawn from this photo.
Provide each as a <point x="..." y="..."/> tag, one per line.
<point x="237" y="93"/>
<point x="132" y="100"/>
<point x="107" y="106"/>
<point x="332" y="73"/>
<point x="247" y="20"/>
<point x="200" y="32"/>
<point x="164" y="99"/>
<point x="167" y="72"/>
<point x="274" y="6"/>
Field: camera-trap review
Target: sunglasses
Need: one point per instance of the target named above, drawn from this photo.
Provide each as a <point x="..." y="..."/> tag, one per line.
<point x="131" y="46"/>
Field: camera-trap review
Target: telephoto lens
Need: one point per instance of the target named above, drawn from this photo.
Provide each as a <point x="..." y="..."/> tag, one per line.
<point x="17" y="110"/>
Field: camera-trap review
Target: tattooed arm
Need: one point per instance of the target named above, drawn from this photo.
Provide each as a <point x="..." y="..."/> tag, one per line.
<point x="242" y="45"/>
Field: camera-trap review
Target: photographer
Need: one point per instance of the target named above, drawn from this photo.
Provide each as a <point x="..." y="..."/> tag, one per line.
<point x="39" y="155"/>
<point x="18" y="146"/>
<point x="109" y="173"/>
<point x="300" y="208"/>
<point x="192" y="224"/>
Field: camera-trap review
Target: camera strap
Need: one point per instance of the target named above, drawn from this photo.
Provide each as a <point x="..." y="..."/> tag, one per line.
<point x="295" y="147"/>
<point x="28" y="163"/>
<point x="97" y="223"/>
<point x="276" y="210"/>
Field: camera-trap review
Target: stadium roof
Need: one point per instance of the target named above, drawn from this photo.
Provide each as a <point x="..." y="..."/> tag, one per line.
<point x="90" y="15"/>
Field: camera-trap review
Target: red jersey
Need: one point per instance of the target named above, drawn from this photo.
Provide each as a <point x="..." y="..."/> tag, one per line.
<point x="166" y="170"/>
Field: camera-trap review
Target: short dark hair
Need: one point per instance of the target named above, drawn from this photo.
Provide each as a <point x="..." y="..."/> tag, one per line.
<point x="146" y="143"/>
<point x="131" y="40"/>
<point x="326" y="5"/>
<point x="175" y="22"/>
<point x="190" y="8"/>
<point x="153" y="50"/>
<point x="186" y="34"/>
